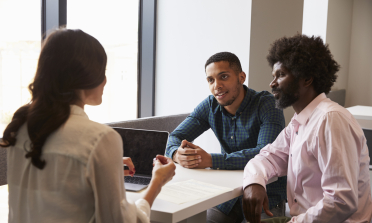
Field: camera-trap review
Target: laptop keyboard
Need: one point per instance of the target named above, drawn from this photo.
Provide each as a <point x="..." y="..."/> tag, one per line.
<point x="137" y="180"/>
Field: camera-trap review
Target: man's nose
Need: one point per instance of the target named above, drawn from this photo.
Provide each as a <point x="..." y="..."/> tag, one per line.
<point x="273" y="83"/>
<point x="217" y="84"/>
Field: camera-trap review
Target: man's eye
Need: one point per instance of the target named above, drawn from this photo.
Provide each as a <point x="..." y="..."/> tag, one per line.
<point x="224" y="76"/>
<point x="210" y="80"/>
<point x="282" y="74"/>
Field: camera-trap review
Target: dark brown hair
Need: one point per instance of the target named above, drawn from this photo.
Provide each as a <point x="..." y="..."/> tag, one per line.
<point x="306" y="57"/>
<point x="231" y="58"/>
<point x="69" y="60"/>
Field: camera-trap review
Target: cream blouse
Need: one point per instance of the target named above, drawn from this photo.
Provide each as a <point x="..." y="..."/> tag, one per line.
<point x="82" y="180"/>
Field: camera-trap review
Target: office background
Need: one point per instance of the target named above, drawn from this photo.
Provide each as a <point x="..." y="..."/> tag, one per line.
<point x="177" y="37"/>
<point x="189" y="31"/>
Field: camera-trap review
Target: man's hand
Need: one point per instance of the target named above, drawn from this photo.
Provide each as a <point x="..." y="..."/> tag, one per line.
<point x="190" y="156"/>
<point x="254" y="198"/>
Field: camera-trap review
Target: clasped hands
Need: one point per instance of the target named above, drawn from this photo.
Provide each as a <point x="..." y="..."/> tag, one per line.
<point x="191" y="156"/>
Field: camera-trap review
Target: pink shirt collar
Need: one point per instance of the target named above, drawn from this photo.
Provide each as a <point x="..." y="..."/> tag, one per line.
<point x="304" y="115"/>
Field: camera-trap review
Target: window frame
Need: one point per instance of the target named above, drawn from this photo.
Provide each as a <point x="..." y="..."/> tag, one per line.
<point x="54" y="14"/>
<point x="146" y="58"/>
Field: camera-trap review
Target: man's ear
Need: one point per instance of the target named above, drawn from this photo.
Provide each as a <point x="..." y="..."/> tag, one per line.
<point x="308" y="81"/>
<point x="242" y="77"/>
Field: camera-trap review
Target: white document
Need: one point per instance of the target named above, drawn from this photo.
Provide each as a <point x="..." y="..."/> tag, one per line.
<point x="185" y="191"/>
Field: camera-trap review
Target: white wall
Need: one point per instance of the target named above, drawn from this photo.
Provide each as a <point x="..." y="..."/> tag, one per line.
<point x="359" y="88"/>
<point x="188" y="33"/>
<point x="270" y="21"/>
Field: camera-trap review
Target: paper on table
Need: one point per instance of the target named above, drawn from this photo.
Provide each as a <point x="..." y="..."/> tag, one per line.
<point x="185" y="191"/>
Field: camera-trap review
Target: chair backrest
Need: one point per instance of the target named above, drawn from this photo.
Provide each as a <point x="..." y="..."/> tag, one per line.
<point x="3" y="166"/>
<point x="338" y="96"/>
<point x="161" y="123"/>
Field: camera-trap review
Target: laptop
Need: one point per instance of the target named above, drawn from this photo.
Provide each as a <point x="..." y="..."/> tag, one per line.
<point x="368" y="135"/>
<point x="141" y="146"/>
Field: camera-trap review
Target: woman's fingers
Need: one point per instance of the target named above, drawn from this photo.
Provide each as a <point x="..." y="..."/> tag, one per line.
<point x="162" y="159"/>
<point x="127" y="161"/>
<point x="128" y="173"/>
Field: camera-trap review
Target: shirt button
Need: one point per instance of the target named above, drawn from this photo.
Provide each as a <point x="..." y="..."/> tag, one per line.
<point x="291" y="154"/>
<point x="232" y="137"/>
<point x="295" y="200"/>
<point x="232" y="118"/>
<point x="296" y="133"/>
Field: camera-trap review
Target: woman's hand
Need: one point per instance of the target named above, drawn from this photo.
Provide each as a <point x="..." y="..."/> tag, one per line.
<point x="127" y="161"/>
<point x="164" y="169"/>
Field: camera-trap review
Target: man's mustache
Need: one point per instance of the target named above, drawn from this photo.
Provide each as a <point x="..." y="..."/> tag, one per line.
<point x="278" y="90"/>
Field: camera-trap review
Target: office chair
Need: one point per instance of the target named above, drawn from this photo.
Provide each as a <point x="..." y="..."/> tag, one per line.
<point x="3" y="166"/>
<point x="338" y="96"/>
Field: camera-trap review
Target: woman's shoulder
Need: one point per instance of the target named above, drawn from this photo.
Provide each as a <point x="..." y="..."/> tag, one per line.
<point x="79" y="137"/>
<point x="79" y="123"/>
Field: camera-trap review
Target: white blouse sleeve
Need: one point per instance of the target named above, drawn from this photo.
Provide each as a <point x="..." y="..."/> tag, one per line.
<point x="104" y="172"/>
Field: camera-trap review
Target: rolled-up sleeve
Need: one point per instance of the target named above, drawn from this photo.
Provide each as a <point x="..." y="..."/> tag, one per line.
<point x="272" y="161"/>
<point x="192" y="127"/>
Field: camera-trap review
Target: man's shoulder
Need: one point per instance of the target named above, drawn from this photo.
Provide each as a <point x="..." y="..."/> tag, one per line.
<point x="329" y="107"/>
<point x="261" y="98"/>
<point x="329" y="111"/>
<point x="260" y="94"/>
<point x="207" y="103"/>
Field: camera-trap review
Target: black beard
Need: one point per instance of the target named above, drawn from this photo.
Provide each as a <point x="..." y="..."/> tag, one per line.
<point x="288" y="96"/>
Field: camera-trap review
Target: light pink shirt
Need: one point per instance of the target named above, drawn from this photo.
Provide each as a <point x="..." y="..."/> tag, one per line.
<point x="324" y="154"/>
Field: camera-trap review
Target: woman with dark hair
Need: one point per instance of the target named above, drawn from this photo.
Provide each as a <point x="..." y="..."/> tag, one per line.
<point x="62" y="167"/>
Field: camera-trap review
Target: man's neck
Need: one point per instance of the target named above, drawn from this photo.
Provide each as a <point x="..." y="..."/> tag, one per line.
<point x="304" y="101"/>
<point x="238" y="101"/>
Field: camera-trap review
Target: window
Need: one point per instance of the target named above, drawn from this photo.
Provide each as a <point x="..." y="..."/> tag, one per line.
<point x="115" y="24"/>
<point x="20" y="42"/>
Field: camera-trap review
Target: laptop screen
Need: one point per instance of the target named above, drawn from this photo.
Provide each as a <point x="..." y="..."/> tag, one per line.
<point x="142" y="146"/>
<point x="368" y="135"/>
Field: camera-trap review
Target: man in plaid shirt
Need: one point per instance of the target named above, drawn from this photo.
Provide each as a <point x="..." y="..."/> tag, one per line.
<point x="243" y="120"/>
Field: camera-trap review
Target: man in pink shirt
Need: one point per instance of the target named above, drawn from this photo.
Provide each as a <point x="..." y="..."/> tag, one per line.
<point x="322" y="151"/>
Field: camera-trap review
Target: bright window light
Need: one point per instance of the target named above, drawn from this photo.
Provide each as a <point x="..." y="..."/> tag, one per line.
<point x="115" y="24"/>
<point x="20" y="41"/>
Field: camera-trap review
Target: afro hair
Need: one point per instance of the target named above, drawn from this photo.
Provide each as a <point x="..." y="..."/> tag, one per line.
<point x="306" y="57"/>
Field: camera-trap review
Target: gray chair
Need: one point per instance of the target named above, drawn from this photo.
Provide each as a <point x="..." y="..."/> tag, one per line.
<point x="338" y="96"/>
<point x="160" y="123"/>
<point x="3" y="166"/>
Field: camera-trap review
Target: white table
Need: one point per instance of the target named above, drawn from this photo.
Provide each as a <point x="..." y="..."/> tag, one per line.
<point x="196" y="211"/>
<point x="164" y="211"/>
<point x="363" y="114"/>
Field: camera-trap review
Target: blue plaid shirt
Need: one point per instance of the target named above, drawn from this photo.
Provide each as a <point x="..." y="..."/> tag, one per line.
<point x="256" y="123"/>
